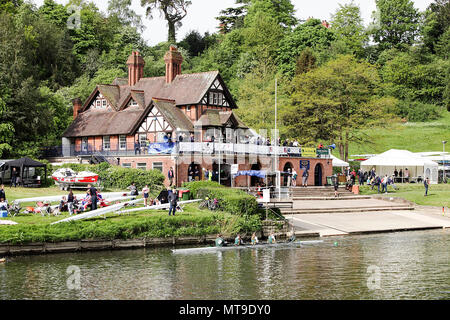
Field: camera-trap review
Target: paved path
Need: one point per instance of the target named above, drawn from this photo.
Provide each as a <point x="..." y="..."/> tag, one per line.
<point x="329" y="224"/>
<point x="342" y="204"/>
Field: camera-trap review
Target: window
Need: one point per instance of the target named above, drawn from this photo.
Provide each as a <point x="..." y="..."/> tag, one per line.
<point x="133" y="103"/>
<point x="126" y="165"/>
<point x="141" y="166"/>
<point x="84" y="144"/>
<point x="99" y="103"/>
<point x="157" y="166"/>
<point x="106" y="143"/>
<point x="123" y="142"/>
<point x="216" y="98"/>
<point x="104" y="103"/>
<point x="143" y="140"/>
<point x="188" y="108"/>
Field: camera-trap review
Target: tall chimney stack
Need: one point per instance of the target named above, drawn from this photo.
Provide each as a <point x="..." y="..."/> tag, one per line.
<point x="135" y="68"/>
<point x="77" y="104"/>
<point x="173" y="60"/>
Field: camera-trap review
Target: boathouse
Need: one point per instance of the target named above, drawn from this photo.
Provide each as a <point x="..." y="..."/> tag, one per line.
<point x="181" y="121"/>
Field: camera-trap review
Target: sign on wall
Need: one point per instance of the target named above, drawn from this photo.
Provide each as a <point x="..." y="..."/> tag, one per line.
<point x="304" y="164"/>
<point x="309" y="152"/>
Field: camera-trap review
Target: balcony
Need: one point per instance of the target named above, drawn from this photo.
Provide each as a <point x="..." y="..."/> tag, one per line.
<point x="211" y="148"/>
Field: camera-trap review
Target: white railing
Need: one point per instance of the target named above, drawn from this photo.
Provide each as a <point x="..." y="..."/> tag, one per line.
<point x="212" y="147"/>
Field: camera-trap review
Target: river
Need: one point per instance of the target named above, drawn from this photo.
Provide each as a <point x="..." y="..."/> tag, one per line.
<point x="402" y="265"/>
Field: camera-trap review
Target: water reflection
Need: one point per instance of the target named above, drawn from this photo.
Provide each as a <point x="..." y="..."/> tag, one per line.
<point x="413" y="265"/>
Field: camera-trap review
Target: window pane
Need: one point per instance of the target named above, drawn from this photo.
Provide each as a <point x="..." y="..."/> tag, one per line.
<point x="158" y="166"/>
<point x="122" y="142"/>
<point x="142" y="166"/>
<point x="126" y="165"/>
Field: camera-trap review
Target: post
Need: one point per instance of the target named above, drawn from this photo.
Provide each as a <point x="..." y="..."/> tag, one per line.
<point x="278" y="182"/>
<point x="443" y="160"/>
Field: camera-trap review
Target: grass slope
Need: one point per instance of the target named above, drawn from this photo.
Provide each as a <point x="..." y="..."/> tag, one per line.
<point x="412" y="136"/>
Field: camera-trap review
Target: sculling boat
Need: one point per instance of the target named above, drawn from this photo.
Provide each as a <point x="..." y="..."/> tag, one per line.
<point x="66" y="178"/>
<point x="245" y="246"/>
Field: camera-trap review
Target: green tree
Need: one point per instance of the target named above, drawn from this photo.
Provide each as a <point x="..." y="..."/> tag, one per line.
<point x="437" y="22"/>
<point x="120" y="10"/>
<point x="348" y="26"/>
<point x="173" y="11"/>
<point x="311" y="34"/>
<point x="281" y="10"/>
<point x="332" y="102"/>
<point x="395" y="23"/>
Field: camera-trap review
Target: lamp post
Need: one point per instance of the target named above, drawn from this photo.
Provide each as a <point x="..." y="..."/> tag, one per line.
<point x="443" y="158"/>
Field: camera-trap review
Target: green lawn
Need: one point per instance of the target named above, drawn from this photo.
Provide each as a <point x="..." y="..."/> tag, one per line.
<point x="438" y="195"/>
<point x="412" y="136"/>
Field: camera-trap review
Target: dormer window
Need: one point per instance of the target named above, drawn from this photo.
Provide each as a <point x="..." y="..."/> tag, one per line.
<point x="215" y="98"/>
<point x="133" y="103"/>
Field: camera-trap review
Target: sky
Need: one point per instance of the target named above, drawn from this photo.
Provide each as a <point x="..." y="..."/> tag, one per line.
<point x="201" y="14"/>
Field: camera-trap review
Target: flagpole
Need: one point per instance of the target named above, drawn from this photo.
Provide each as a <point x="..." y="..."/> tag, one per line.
<point x="276" y="143"/>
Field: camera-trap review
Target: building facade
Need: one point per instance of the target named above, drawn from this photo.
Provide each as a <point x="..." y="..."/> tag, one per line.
<point x="181" y="121"/>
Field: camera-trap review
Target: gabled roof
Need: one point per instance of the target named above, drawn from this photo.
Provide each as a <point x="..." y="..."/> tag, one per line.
<point x="217" y="118"/>
<point x="104" y="123"/>
<point x="173" y="115"/>
<point x="185" y="89"/>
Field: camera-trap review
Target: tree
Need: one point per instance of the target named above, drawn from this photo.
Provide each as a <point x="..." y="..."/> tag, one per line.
<point x="306" y="61"/>
<point x="332" y="102"/>
<point x="120" y="10"/>
<point x="173" y="10"/>
<point x="437" y="22"/>
<point x="232" y="18"/>
<point x="348" y="26"/>
<point x="395" y="23"/>
<point x="281" y="10"/>
<point x="311" y="34"/>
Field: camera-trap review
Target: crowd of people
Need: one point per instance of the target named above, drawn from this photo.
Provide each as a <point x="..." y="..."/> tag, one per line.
<point x="238" y="241"/>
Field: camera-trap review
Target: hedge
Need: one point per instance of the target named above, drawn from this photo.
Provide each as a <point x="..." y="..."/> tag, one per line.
<point x="231" y="200"/>
<point x="119" y="177"/>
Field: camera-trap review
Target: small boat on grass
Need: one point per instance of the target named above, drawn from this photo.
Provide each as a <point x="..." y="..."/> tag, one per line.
<point x="246" y="246"/>
<point x="67" y="178"/>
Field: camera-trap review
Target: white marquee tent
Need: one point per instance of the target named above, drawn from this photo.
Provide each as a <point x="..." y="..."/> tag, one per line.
<point x="387" y="162"/>
<point x="338" y="162"/>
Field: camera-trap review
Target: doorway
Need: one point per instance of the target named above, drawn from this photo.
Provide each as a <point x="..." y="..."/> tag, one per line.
<point x="318" y="175"/>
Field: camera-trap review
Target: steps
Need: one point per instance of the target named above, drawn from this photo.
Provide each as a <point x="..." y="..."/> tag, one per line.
<point x="286" y="211"/>
<point x="320" y="193"/>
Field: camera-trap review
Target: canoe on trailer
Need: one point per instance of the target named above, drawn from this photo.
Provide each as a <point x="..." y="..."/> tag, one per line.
<point x="246" y="246"/>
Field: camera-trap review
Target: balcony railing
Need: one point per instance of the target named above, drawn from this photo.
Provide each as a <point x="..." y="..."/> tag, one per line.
<point x="187" y="147"/>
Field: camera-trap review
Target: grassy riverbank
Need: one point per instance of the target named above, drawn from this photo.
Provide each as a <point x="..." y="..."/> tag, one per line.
<point x="193" y="221"/>
<point x="438" y="195"/>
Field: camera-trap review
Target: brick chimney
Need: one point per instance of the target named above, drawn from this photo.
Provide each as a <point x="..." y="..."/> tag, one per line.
<point x="77" y="105"/>
<point x="135" y="68"/>
<point x="326" y="24"/>
<point x="173" y="60"/>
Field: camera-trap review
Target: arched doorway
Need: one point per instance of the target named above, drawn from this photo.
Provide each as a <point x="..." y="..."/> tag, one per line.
<point x="318" y="172"/>
<point x="194" y="172"/>
<point x="225" y="173"/>
<point x="255" y="180"/>
<point x="287" y="178"/>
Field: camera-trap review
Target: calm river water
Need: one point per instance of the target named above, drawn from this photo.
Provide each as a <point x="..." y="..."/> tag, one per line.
<point x="404" y="265"/>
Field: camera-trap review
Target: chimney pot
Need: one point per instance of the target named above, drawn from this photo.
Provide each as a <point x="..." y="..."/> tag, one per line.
<point x="173" y="59"/>
<point x="77" y="104"/>
<point x="135" y="68"/>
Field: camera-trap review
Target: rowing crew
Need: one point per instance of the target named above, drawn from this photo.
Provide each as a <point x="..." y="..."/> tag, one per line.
<point x="220" y="242"/>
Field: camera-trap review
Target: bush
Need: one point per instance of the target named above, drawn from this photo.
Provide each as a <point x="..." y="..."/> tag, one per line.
<point x="194" y="186"/>
<point x="418" y="112"/>
<point x="119" y="177"/>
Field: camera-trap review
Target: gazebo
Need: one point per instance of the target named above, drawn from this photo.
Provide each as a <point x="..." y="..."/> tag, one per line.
<point x="391" y="160"/>
<point x="21" y="165"/>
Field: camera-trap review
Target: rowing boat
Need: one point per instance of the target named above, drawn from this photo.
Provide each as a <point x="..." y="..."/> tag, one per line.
<point x="245" y="246"/>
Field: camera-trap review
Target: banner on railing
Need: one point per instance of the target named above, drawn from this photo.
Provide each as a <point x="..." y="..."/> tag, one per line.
<point x="309" y="153"/>
<point x="161" y="148"/>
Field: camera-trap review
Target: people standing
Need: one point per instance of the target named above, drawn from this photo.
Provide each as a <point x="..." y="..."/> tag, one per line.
<point x="2" y="192"/>
<point x="137" y="147"/>
<point x="170" y="175"/>
<point x="13" y="178"/>
<point x="70" y="202"/>
<point x="336" y="186"/>
<point x="305" y="178"/>
<point x="145" y="192"/>
<point x="92" y="191"/>
<point x="426" y="183"/>
<point x="294" y="178"/>
<point x="173" y="199"/>
<point x="406" y="175"/>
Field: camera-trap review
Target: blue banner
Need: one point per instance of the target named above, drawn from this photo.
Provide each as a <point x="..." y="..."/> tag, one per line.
<point x="304" y="164"/>
<point x="252" y="173"/>
<point x="161" y="148"/>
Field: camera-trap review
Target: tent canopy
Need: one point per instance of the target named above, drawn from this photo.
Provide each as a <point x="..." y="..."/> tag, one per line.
<point x="387" y="162"/>
<point x="25" y="162"/>
<point x="338" y="162"/>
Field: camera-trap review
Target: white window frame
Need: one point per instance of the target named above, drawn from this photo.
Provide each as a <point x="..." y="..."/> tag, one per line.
<point x="126" y="165"/>
<point x="106" y="143"/>
<point x="141" y="166"/>
<point x="122" y="142"/>
<point x="142" y="141"/>
<point x="84" y="144"/>
<point x="158" y="166"/>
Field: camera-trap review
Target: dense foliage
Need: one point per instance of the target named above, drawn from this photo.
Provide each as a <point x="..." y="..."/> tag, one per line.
<point x="52" y="54"/>
<point x="234" y="201"/>
<point x="121" y="178"/>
